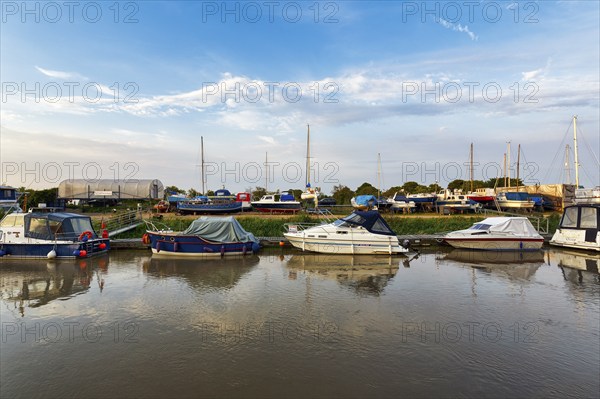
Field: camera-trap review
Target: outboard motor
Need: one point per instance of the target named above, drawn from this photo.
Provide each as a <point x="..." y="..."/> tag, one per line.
<point x="406" y="244"/>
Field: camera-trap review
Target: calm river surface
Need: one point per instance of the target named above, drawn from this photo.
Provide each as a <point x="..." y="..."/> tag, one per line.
<point x="283" y="324"/>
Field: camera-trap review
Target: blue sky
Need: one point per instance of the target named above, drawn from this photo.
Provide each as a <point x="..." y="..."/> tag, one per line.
<point x="416" y="82"/>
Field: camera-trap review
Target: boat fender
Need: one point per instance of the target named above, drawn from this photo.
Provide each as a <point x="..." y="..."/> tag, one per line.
<point x="86" y="235"/>
<point x="2" y="253"/>
<point x="255" y="247"/>
<point x="521" y="245"/>
<point x="405" y="244"/>
<point x="146" y="239"/>
<point x="175" y="246"/>
<point x="157" y="246"/>
<point x="102" y="245"/>
<point x="83" y="253"/>
<point x="104" y="233"/>
<point x="222" y="250"/>
<point x="76" y="252"/>
<point x="51" y="254"/>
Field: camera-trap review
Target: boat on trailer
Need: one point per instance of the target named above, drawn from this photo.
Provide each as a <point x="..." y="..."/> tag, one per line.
<point x="50" y="235"/>
<point x="579" y="228"/>
<point x="362" y="232"/>
<point x="205" y="237"/>
<point x="276" y="203"/>
<point x="220" y="203"/>
<point x="497" y="234"/>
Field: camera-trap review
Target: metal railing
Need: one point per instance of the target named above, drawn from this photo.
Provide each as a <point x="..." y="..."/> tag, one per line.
<point x="123" y="222"/>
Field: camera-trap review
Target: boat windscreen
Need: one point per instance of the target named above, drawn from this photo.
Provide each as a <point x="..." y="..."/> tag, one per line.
<point x="370" y="220"/>
<point x="480" y="226"/>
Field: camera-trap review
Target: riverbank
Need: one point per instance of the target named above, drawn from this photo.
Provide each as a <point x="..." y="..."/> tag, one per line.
<point x="273" y="226"/>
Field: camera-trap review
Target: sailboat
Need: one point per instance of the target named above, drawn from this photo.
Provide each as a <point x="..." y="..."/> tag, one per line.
<point x="582" y="195"/>
<point x="310" y="193"/>
<point x="222" y="202"/>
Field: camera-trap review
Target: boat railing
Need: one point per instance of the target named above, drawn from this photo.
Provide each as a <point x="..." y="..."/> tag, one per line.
<point x="299" y="227"/>
<point x="153" y="225"/>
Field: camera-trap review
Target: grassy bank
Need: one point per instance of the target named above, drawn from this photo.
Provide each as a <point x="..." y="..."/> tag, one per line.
<point x="273" y="226"/>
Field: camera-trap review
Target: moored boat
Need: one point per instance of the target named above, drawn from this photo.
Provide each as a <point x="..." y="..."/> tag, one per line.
<point x="277" y="203"/>
<point x="205" y="237"/>
<point x="579" y="228"/>
<point x="220" y="203"/>
<point x="362" y="232"/>
<point x="50" y="235"/>
<point x="497" y="234"/>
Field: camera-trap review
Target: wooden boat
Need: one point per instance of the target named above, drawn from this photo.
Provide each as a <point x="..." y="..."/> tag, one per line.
<point x="579" y="228"/>
<point x="497" y="234"/>
<point x="362" y="232"/>
<point x="50" y="235"/>
<point x="205" y="237"/>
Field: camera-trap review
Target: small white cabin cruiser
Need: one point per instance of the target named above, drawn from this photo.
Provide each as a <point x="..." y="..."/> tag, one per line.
<point x="497" y="234"/>
<point x="362" y="232"/>
<point x="579" y="228"/>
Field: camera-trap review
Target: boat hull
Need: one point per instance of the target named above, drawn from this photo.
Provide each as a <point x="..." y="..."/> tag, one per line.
<point x="233" y="207"/>
<point x="496" y="244"/>
<point x="575" y="238"/>
<point x="169" y="244"/>
<point x="62" y="250"/>
<point x="277" y="208"/>
<point x="347" y="247"/>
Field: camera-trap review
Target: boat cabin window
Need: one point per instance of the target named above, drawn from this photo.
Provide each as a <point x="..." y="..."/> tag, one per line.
<point x="79" y="225"/>
<point x="355" y="219"/>
<point x="12" y="221"/>
<point x="38" y="227"/>
<point x="570" y="217"/>
<point x="380" y="227"/>
<point x="481" y="226"/>
<point x="589" y="218"/>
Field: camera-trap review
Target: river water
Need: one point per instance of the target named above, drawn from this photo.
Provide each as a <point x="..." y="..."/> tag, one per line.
<point x="284" y="324"/>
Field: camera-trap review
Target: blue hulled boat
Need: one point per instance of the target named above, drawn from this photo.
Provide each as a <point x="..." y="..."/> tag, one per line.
<point x="220" y="203"/>
<point x="205" y="237"/>
<point x="50" y="235"/>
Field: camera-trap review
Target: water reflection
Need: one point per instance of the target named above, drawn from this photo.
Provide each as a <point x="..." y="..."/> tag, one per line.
<point x="513" y="265"/>
<point x="362" y="274"/>
<point x="34" y="283"/>
<point x="576" y="266"/>
<point x="219" y="273"/>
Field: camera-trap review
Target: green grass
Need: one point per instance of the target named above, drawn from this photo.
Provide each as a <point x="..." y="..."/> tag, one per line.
<point x="274" y="227"/>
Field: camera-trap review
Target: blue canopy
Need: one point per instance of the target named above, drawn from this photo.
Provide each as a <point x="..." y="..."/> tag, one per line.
<point x="370" y="220"/>
<point x="365" y="200"/>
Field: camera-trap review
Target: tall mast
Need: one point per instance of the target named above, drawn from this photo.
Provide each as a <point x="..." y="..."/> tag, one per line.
<point x="576" y="151"/>
<point x="567" y="165"/>
<point x="518" y="161"/>
<point x="471" y="167"/>
<point x="378" y="175"/>
<point x="266" y="172"/>
<point x="508" y="161"/>
<point x="505" y="170"/>
<point x="202" y="162"/>
<point x="308" y="157"/>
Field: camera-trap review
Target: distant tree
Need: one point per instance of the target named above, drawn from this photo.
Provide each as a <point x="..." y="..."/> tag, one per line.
<point x="366" y="189"/>
<point x="192" y="193"/>
<point x="434" y="188"/>
<point x="258" y="192"/>
<point x="174" y="189"/>
<point x="296" y="193"/>
<point x="457" y="184"/>
<point x="35" y="197"/>
<point x="412" y="187"/>
<point x="342" y="194"/>
<point x="392" y="191"/>
<point x="210" y="193"/>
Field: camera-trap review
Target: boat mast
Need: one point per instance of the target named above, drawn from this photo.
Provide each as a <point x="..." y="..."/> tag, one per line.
<point x="266" y="171"/>
<point x="504" y="169"/>
<point x="518" y="161"/>
<point x="308" y="157"/>
<point x="202" y="162"/>
<point x="508" y="162"/>
<point x="567" y="164"/>
<point x="576" y="151"/>
<point x="471" y="167"/>
<point x="378" y="175"/>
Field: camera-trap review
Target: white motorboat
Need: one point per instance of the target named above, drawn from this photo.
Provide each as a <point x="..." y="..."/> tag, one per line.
<point x="362" y="232"/>
<point x="515" y="201"/>
<point x="497" y="234"/>
<point x="579" y="228"/>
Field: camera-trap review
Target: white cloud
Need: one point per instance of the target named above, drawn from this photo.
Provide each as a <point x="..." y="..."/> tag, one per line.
<point x="457" y="28"/>
<point x="60" y="74"/>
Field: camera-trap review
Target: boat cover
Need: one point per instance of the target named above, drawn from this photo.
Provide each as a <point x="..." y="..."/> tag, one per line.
<point x="365" y="200"/>
<point x="516" y="196"/>
<point x="221" y="229"/>
<point x="370" y="220"/>
<point x="519" y="226"/>
<point x="61" y="225"/>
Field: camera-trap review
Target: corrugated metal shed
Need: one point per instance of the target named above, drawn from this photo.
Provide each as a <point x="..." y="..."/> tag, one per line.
<point x="111" y="189"/>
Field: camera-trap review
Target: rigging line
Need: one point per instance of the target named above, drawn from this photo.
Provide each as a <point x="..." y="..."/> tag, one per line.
<point x="560" y="147"/>
<point x="587" y="145"/>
